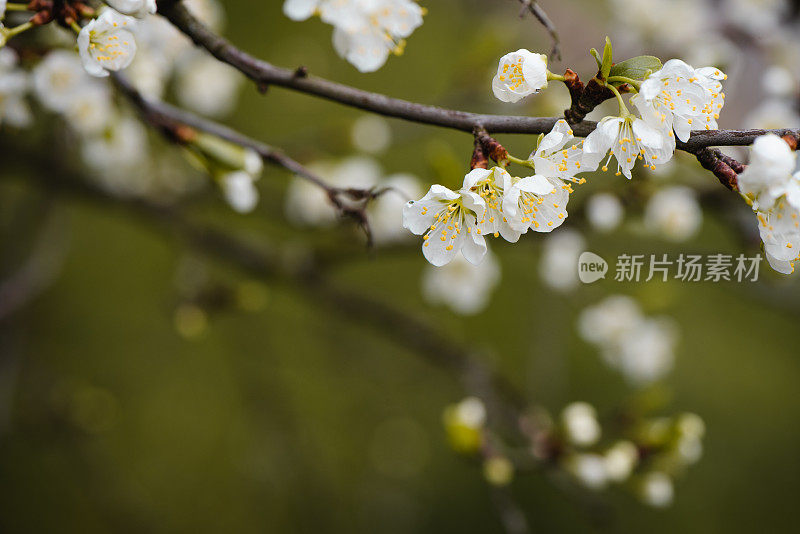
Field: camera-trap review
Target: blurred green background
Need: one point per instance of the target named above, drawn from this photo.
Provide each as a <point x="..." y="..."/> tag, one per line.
<point x="282" y="416"/>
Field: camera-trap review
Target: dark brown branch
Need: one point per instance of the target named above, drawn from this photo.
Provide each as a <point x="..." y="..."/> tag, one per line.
<point x="265" y="74"/>
<point x="536" y="10"/>
<point x="725" y="168"/>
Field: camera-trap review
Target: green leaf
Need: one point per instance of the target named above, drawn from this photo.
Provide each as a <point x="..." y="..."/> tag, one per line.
<point x="605" y="68"/>
<point x="596" y="57"/>
<point x="636" y="67"/>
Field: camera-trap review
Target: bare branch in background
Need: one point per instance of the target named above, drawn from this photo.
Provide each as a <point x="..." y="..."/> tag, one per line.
<point x="533" y="7"/>
<point x="177" y="124"/>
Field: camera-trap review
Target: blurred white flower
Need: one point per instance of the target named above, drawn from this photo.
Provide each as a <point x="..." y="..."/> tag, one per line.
<point x="239" y="190"/>
<point x="621" y="460"/>
<point x="208" y="86"/>
<point x="674" y="213"/>
<point x="559" y="262"/>
<point x="520" y="74"/>
<point x="657" y="490"/>
<point x="581" y="427"/>
<point x="773" y="114"/>
<point x="589" y="469"/>
<point x="160" y="46"/>
<point x="646" y="353"/>
<point x="386" y="211"/>
<point x="608" y="321"/>
<point x="134" y="8"/>
<point x="755" y="16"/>
<point x="58" y="78"/>
<point x="463" y="287"/>
<point x="122" y="145"/>
<point x="365" y="31"/>
<point x="371" y="134"/>
<point x="604" y="212"/>
<point x="90" y="109"/>
<point x="672" y="24"/>
<point x="106" y="43"/>
<point x="14" y="85"/>
<point x="470" y="412"/>
<point x="641" y="348"/>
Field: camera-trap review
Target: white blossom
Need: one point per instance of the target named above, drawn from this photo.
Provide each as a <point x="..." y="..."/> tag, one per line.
<point x="106" y="43"/>
<point x="121" y="146"/>
<point x="581" y="427"/>
<point x="239" y="190"/>
<point x="90" y="109"/>
<point x="657" y="490"/>
<point x="770" y="173"/>
<point x="301" y="9"/>
<point x="621" y="460"/>
<point x="641" y="348"/>
<point x="682" y="98"/>
<point x="779" y="228"/>
<point x="628" y="138"/>
<point x="491" y="185"/>
<point x="646" y="353"/>
<point x="58" y="78"/>
<point x="520" y="74"/>
<point x="134" y="8"/>
<point x="207" y="86"/>
<point x="448" y="222"/>
<point x="674" y="213"/>
<point x="470" y="412"/>
<point x="589" y="469"/>
<point x="606" y="322"/>
<point x="14" y="85"/>
<point x="367" y="31"/>
<point x="604" y="212"/>
<point x="463" y="287"/>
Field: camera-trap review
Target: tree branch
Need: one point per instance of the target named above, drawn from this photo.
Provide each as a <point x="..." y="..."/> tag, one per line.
<point x="265" y="74"/>
<point x="173" y="122"/>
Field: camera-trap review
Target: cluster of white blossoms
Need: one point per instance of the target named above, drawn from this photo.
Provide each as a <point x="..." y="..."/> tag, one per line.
<point x="771" y="185"/>
<point x="641" y="348"/>
<point x="492" y="202"/>
<point x="114" y="146"/>
<point x="365" y="31"/>
<point x="672" y="101"/>
<point x="14" y="85"/>
<point x="597" y="461"/>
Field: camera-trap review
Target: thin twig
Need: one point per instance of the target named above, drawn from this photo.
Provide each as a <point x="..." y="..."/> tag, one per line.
<point x="534" y="8"/>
